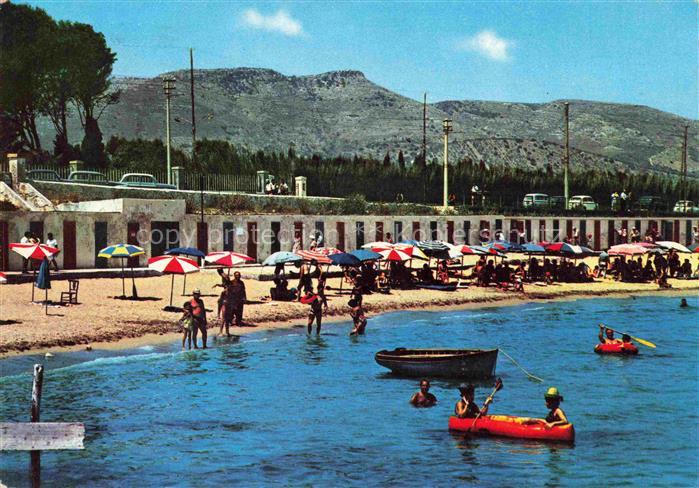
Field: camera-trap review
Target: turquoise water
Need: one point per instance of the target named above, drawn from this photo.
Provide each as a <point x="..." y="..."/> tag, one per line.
<point x="278" y="408"/>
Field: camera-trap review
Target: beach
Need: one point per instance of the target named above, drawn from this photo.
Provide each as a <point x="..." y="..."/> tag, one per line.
<point x="100" y="320"/>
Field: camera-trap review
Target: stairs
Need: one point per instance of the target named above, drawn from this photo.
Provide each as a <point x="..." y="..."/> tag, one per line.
<point x="26" y="197"/>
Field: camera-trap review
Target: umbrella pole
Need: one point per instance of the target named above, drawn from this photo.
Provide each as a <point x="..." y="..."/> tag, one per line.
<point x="123" y="284"/>
<point x="172" y="287"/>
<point x="46" y="300"/>
<point x="134" y="293"/>
<point x="184" y="284"/>
<point x="33" y="283"/>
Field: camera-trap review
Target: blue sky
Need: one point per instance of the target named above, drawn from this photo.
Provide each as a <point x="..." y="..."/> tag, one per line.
<point x="632" y="52"/>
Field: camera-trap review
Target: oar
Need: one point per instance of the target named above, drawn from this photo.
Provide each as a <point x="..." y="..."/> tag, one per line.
<point x="529" y="375"/>
<point x="498" y="386"/>
<point x="640" y="341"/>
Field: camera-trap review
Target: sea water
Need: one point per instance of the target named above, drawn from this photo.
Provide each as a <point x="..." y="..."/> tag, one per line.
<point x="280" y="408"/>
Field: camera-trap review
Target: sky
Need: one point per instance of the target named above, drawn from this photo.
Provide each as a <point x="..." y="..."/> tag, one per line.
<point x="641" y="52"/>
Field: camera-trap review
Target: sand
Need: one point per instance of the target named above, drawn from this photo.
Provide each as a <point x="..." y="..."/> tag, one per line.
<point x="103" y="321"/>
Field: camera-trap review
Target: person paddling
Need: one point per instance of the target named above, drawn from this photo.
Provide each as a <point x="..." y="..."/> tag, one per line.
<point x="466" y="407"/>
<point x="606" y="336"/>
<point x="556" y="416"/>
<point x="423" y="398"/>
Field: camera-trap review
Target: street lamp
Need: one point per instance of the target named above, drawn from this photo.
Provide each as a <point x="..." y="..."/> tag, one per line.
<point x="446" y="128"/>
<point x="169" y="89"/>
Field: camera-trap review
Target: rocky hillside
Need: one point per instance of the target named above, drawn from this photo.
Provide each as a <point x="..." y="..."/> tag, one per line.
<point x="342" y="112"/>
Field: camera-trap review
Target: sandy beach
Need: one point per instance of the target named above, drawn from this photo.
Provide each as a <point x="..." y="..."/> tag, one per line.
<point x="100" y="320"/>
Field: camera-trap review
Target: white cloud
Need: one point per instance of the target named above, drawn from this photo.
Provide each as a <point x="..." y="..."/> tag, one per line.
<point x="280" y="22"/>
<point x="487" y="43"/>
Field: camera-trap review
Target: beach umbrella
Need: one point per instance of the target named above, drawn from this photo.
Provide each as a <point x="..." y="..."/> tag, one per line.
<point x="695" y="249"/>
<point x="3" y="278"/>
<point x="173" y="265"/>
<point x="380" y="244"/>
<point x="531" y="248"/>
<point x="627" y="250"/>
<point x="430" y="248"/>
<point x="465" y="249"/>
<point x="488" y="251"/>
<point x="395" y="255"/>
<point x="185" y="251"/>
<point x="281" y="257"/>
<point x="673" y="245"/>
<point x="34" y="251"/>
<point x="327" y="251"/>
<point x="314" y="256"/>
<point x="123" y="251"/>
<point x="43" y="282"/>
<point x="565" y="248"/>
<point x="503" y="246"/>
<point x="365" y="255"/>
<point x="344" y="259"/>
<point x="227" y="259"/>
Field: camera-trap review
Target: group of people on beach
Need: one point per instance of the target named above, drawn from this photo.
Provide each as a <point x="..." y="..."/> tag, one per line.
<point x="31" y="238"/>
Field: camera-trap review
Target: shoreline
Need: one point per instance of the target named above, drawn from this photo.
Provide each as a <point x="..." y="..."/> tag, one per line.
<point x="459" y="300"/>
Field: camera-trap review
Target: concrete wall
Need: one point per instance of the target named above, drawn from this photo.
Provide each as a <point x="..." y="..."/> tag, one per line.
<point x="118" y="213"/>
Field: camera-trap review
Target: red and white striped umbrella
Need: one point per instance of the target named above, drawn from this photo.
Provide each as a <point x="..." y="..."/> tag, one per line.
<point x="409" y="249"/>
<point x="227" y="259"/>
<point x="173" y="265"/>
<point x="395" y="255"/>
<point x="34" y="251"/>
<point x="462" y="249"/>
<point x="314" y="255"/>
<point x="3" y="278"/>
<point x="327" y="251"/>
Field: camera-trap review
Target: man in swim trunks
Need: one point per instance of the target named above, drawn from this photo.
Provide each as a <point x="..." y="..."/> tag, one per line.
<point x="606" y="336"/>
<point x="423" y="398"/>
<point x="199" y="315"/>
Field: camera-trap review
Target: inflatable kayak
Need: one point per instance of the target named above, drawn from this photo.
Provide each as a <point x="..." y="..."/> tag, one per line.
<point x="514" y="427"/>
<point x="619" y="348"/>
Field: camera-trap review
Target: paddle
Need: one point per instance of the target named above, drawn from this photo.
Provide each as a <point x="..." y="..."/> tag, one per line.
<point x="640" y="341"/>
<point x="498" y="386"/>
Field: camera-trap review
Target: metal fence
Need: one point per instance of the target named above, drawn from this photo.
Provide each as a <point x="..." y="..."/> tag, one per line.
<point x="246" y="183"/>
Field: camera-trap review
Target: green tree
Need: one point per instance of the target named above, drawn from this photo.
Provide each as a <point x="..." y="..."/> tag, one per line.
<point x="92" y="90"/>
<point x="24" y="34"/>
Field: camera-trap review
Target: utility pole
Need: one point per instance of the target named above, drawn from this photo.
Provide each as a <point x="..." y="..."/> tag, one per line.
<point x="424" y="130"/>
<point x="194" y="135"/>
<point x="447" y="128"/>
<point x="169" y="88"/>
<point x="566" y="154"/>
<point x="683" y="168"/>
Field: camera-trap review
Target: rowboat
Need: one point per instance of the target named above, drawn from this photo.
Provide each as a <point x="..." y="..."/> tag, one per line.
<point x="513" y="427"/>
<point x="437" y="286"/>
<point x="445" y="363"/>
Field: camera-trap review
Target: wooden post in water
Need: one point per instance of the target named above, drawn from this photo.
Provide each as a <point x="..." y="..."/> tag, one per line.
<point x="35" y="456"/>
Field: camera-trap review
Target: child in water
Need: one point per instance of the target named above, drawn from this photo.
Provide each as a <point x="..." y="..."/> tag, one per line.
<point x="358" y="317"/>
<point x="187" y="323"/>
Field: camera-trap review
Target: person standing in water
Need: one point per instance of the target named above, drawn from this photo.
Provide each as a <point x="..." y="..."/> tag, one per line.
<point x="423" y="398"/>
<point x="358" y="317"/>
<point x="199" y="316"/>
<point x="238" y="295"/>
<point x="315" y="314"/>
<point x="187" y="323"/>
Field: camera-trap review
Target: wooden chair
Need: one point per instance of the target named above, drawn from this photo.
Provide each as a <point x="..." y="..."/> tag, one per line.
<point x="71" y="296"/>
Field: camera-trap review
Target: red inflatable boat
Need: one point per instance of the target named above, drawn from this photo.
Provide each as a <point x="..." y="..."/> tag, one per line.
<point x="618" y="348"/>
<point x="515" y="427"/>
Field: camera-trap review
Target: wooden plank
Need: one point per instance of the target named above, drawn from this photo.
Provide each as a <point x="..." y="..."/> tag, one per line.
<point x="41" y="436"/>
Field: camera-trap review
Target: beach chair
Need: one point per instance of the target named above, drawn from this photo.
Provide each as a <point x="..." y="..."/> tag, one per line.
<point x="71" y="296"/>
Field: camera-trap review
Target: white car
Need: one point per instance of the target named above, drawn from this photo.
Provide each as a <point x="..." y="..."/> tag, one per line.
<point x="685" y="206"/>
<point x="535" y="200"/>
<point x="584" y="202"/>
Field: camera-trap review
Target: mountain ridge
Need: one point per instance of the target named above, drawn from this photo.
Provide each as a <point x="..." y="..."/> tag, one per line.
<point x="343" y="112"/>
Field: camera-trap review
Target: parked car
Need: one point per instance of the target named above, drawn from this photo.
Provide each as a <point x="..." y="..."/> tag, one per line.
<point x="91" y="177"/>
<point x="558" y="201"/>
<point x="143" y="180"/>
<point x="685" y="206"/>
<point x="651" y="203"/>
<point x="582" y="202"/>
<point x="43" y="175"/>
<point x="535" y="200"/>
